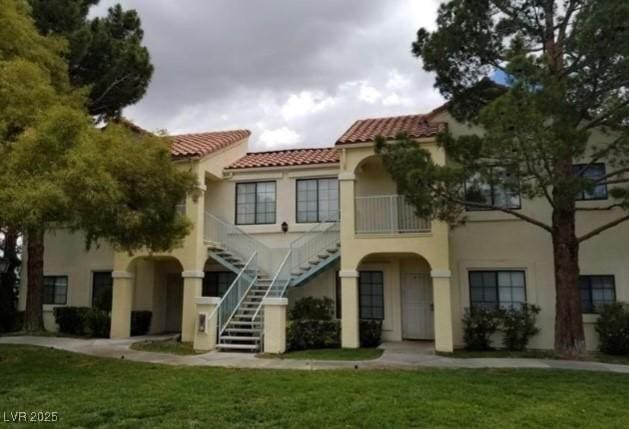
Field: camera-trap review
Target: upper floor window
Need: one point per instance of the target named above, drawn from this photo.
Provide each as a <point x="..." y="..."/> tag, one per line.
<point x="497" y="289"/>
<point x="255" y="203"/>
<point x="317" y="200"/>
<point x="55" y="290"/>
<point x="596" y="291"/>
<point x="495" y="191"/>
<point x="593" y="172"/>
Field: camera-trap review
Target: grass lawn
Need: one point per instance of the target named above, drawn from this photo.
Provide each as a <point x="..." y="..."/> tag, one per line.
<point x="330" y="354"/>
<point x="171" y="346"/>
<point x="95" y="392"/>
<point x="535" y="354"/>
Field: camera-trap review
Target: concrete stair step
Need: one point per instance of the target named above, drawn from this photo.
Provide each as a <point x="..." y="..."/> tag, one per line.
<point x="243" y="338"/>
<point x="251" y="347"/>
<point x="242" y="330"/>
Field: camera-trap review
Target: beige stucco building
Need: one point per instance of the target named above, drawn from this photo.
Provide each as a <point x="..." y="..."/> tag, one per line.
<point x="272" y="227"/>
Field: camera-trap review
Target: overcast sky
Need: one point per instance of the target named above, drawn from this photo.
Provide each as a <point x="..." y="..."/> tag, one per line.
<point x="297" y="73"/>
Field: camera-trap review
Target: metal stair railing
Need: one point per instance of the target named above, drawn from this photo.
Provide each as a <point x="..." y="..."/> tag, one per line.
<point x="236" y="240"/>
<point x="311" y="244"/>
<point x="276" y="289"/>
<point x="238" y="290"/>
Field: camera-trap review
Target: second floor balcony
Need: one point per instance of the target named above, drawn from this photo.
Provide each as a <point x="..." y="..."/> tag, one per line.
<point x="388" y="214"/>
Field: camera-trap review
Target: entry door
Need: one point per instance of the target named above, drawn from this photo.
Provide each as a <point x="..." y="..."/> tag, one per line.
<point x="418" y="321"/>
<point x="174" y="302"/>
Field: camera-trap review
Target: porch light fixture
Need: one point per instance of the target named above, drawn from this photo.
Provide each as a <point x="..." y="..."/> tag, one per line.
<point x="4" y="265"/>
<point x="284" y="227"/>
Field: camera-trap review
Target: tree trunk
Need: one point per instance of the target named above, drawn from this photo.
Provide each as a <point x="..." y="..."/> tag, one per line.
<point x="34" y="316"/>
<point x="8" y="302"/>
<point x="569" y="337"/>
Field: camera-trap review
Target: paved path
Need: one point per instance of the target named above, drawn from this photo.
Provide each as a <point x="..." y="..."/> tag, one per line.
<point x="396" y="356"/>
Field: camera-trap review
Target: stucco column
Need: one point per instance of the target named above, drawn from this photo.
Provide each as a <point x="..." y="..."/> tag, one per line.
<point x="347" y="197"/>
<point x="275" y="325"/>
<point x="121" y="304"/>
<point x="442" y="299"/>
<point x="350" y="326"/>
<point x="192" y="287"/>
<point x="205" y="335"/>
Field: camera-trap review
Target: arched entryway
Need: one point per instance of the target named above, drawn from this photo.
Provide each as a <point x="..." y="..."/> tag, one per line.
<point x="396" y="288"/>
<point x="158" y="288"/>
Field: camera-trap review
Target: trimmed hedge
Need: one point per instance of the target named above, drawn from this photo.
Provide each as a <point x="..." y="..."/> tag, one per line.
<point x="140" y="322"/>
<point x="370" y="333"/>
<point x="310" y="308"/>
<point x="82" y="321"/>
<point x="313" y="334"/>
<point x="612" y="327"/>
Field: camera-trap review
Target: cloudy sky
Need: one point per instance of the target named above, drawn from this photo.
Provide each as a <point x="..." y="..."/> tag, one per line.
<point x="297" y="73"/>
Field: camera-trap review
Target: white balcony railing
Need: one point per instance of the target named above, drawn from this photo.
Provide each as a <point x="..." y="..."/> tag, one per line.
<point x="387" y="214"/>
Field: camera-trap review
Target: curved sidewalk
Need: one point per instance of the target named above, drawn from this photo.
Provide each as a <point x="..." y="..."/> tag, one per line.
<point x="395" y="356"/>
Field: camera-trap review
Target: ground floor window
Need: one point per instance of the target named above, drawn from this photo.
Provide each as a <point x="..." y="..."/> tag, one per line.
<point x="55" y="290"/>
<point x="371" y="291"/>
<point x="497" y="289"/>
<point x="216" y="283"/>
<point x="102" y="285"/>
<point x="596" y="291"/>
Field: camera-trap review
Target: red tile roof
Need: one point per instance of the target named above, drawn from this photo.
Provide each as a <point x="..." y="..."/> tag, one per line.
<point x="287" y="158"/>
<point x="415" y="126"/>
<point x="201" y="144"/>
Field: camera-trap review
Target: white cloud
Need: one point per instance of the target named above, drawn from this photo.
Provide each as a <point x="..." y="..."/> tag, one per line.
<point x="278" y="138"/>
<point x="368" y="93"/>
<point x="397" y="81"/>
<point x="395" y="100"/>
<point x="305" y="103"/>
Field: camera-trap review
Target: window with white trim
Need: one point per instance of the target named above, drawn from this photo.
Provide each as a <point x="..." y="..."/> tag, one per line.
<point x="255" y="203"/>
<point x="596" y="291"/>
<point x="55" y="290"/>
<point x="317" y="200"/>
<point x="497" y="289"/>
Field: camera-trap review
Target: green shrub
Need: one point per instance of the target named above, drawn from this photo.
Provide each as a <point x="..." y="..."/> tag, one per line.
<point x="518" y="326"/>
<point x="370" y="333"/>
<point x="72" y="320"/>
<point x="311" y="308"/>
<point x="313" y="334"/>
<point x="479" y="324"/>
<point x="98" y="323"/>
<point x="82" y="321"/>
<point x="612" y="327"/>
<point x="140" y="322"/>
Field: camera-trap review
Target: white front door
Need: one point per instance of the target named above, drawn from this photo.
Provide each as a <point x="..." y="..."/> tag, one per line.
<point x="418" y="321"/>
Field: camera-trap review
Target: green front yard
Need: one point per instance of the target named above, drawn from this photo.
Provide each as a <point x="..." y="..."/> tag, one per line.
<point x="93" y="392"/>
<point x="330" y="354"/>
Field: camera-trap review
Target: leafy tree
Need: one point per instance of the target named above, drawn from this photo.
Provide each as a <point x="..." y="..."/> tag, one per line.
<point x="58" y="170"/>
<point x="105" y="54"/>
<point x="568" y="67"/>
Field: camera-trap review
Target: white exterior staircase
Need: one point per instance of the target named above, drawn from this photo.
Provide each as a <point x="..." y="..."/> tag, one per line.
<point x="240" y="314"/>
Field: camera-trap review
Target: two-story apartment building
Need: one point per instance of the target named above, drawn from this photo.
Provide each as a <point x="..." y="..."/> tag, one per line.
<point x="272" y="227"/>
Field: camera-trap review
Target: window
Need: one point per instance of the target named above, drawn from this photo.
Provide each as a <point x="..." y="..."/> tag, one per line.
<point x="216" y="283"/>
<point x="102" y="285"/>
<point x="497" y="192"/>
<point x="596" y="291"/>
<point x="317" y="200"/>
<point x="592" y="173"/>
<point x="255" y="203"/>
<point x="497" y="289"/>
<point x="55" y="290"/>
<point x="371" y="290"/>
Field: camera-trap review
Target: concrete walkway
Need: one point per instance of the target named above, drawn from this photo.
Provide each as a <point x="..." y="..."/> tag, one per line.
<point x="404" y="355"/>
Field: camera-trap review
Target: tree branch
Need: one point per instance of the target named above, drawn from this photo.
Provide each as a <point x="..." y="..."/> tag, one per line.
<point x="603" y="228"/>
<point x="502" y="209"/>
<point x="592" y="209"/>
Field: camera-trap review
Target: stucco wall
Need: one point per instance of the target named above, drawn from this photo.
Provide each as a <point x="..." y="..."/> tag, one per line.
<point x="65" y="254"/>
